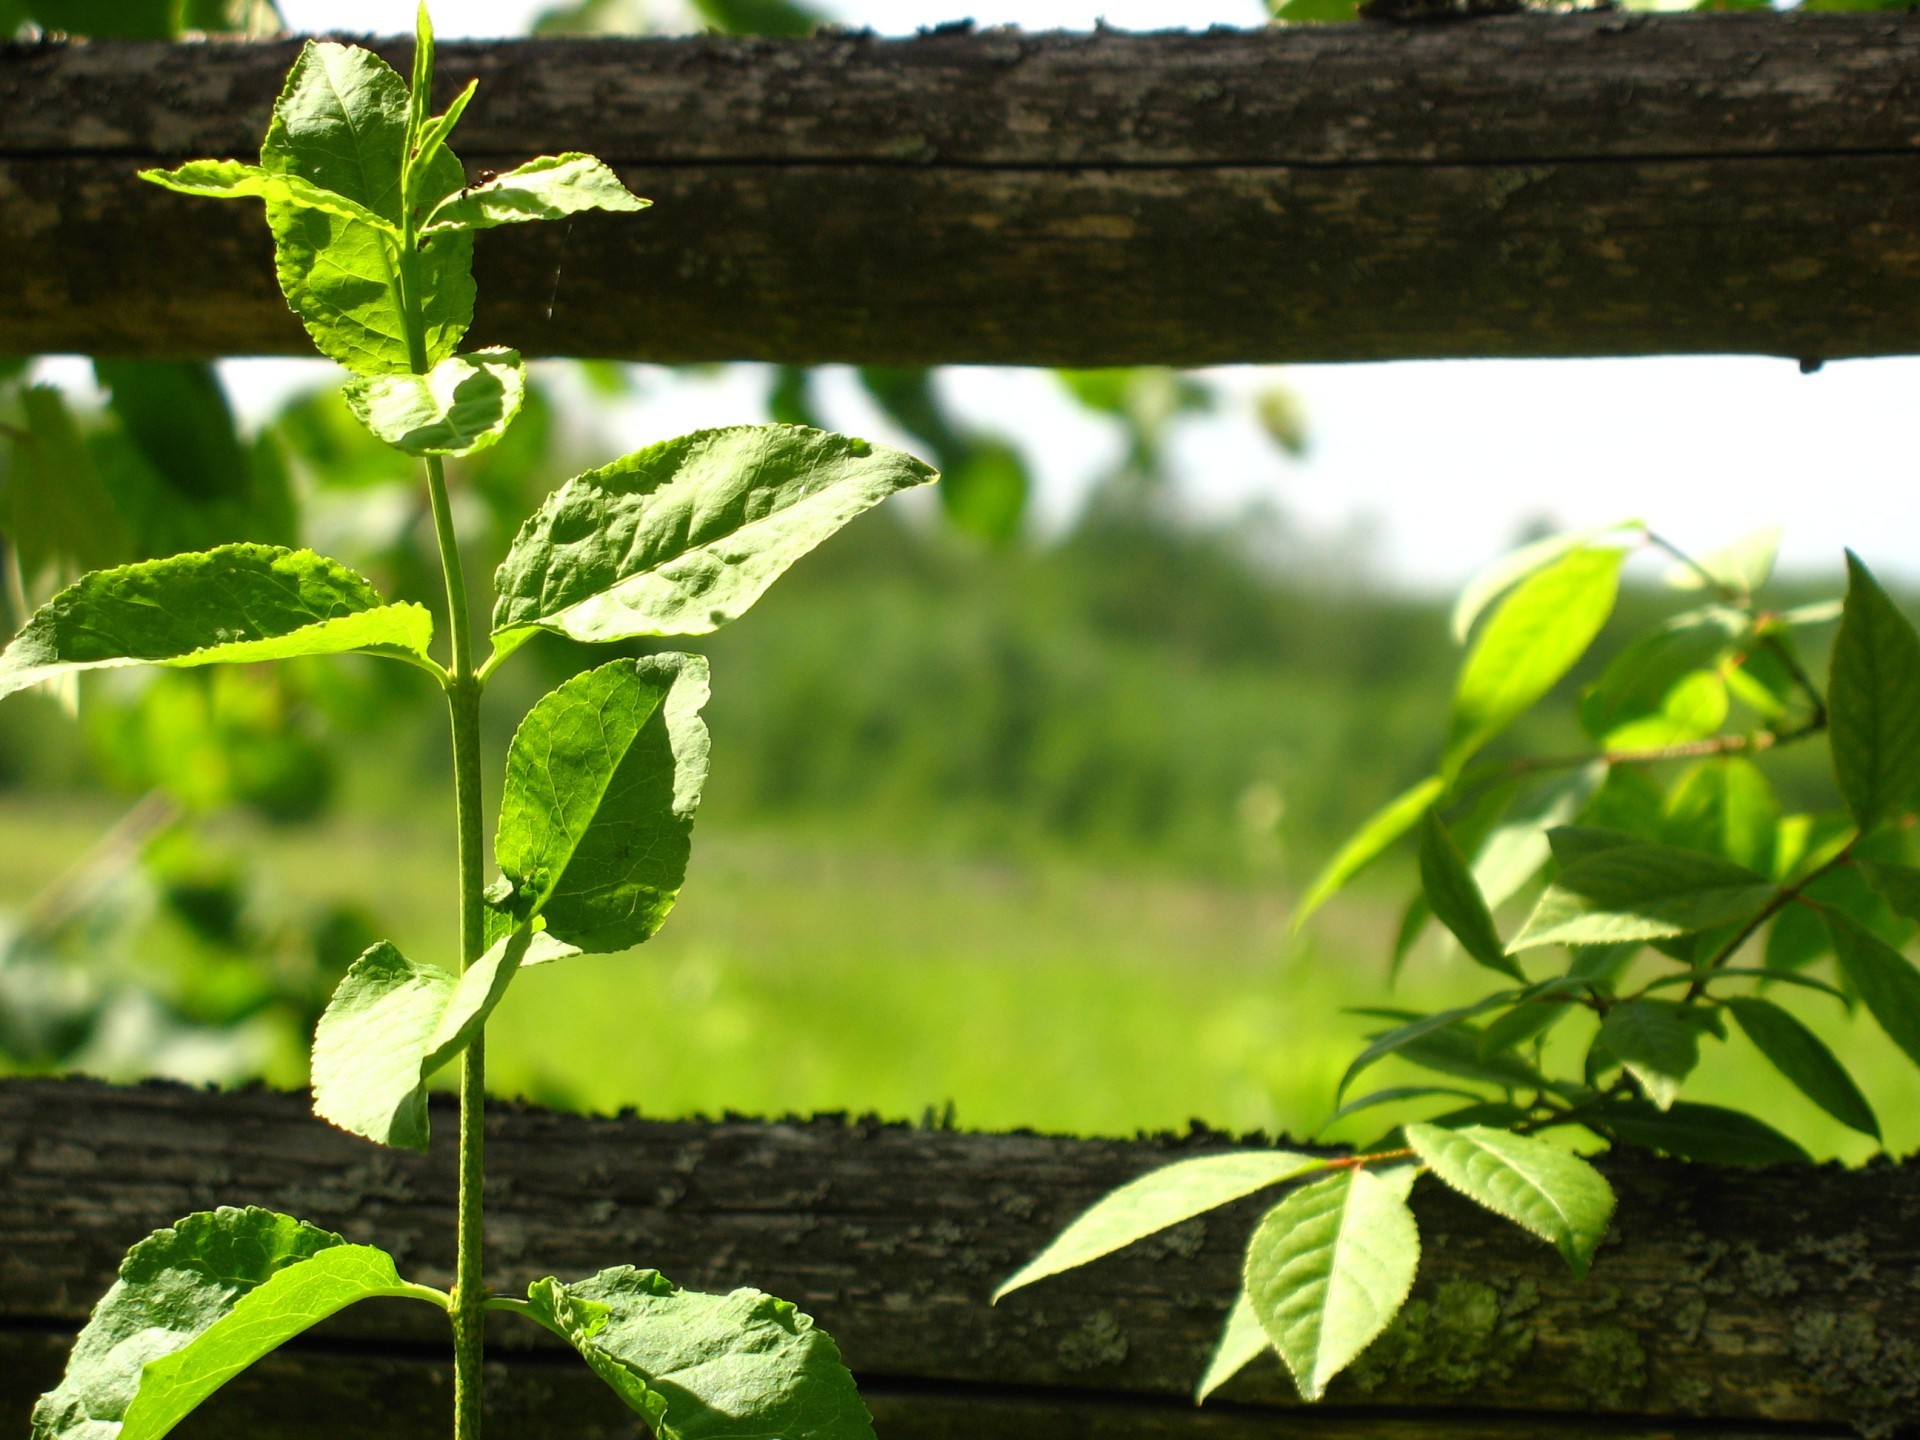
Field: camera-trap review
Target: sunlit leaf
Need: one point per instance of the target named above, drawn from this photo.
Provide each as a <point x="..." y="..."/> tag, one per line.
<point x="1516" y="565"/>
<point x="1874" y="703"/>
<point x="1642" y="892"/>
<point x="596" y="821"/>
<point x="1242" y="1341"/>
<point x="1638" y="681"/>
<point x="1369" y="842"/>
<point x="234" y="180"/>
<point x="682" y="537"/>
<point x="1328" y="1269"/>
<point x="1540" y="1187"/>
<point x="550" y="188"/>
<point x="234" y="604"/>
<point x="1742" y="567"/>
<point x="706" y="1367"/>
<point x="1156" y="1200"/>
<point x="462" y="405"/>
<point x="1535" y="636"/>
<point x="1516" y="850"/>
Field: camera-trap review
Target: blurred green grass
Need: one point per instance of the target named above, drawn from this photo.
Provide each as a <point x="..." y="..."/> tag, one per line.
<point x="805" y="973"/>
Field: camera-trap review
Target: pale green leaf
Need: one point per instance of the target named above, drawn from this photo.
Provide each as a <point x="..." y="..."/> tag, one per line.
<point x="1157" y="1200"/>
<point x="237" y="603"/>
<point x="1328" y="1269"/>
<point x="462" y="405"/>
<point x="550" y="188"/>
<point x="682" y="537"/>
<point x="390" y="1025"/>
<point x="1873" y="701"/>
<point x="1642" y="892"/>
<point x="1653" y="1041"/>
<point x="1540" y="1187"/>
<point x="1637" y="682"/>
<point x="432" y="142"/>
<point x="233" y="180"/>
<point x="1698" y="1132"/>
<point x="1694" y="708"/>
<point x="1516" y="850"/>
<point x="1457" y="901"/>
<point x="1800" y="1055"/>
<point x="1369" y="842"/>
<point x="1513" y="567"/>
<point x="596" y="821"/>
<point x="1242" y="1341"/>
<point x="1535" y="636"/>
<point x="740" y="1366"/>
<point x="1886" y="980"/>
<point x="179" y="1322"/>
<point x="1742" y="567"/>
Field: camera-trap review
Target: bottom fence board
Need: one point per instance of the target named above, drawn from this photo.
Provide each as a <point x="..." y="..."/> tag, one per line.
<point x="1725" y="1303"/>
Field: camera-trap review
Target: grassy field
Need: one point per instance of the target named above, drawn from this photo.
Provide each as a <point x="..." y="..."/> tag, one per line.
<point x="801" y="975"/>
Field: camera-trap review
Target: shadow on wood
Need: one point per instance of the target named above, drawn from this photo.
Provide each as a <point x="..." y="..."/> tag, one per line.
<point x="1727" y="1303"/>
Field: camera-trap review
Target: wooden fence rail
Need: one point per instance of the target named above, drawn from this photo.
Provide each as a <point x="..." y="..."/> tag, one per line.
<point x="1727" y="1304"/>
<point x="1569" y="185"/>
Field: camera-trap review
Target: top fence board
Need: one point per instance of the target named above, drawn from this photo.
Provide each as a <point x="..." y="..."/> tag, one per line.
<point x="1596" y="184"/>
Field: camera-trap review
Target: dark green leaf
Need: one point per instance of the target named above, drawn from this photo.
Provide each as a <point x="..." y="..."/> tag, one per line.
<point x="1655" y="1043"/>
<point x="237" y="603"/>
<point x="1399" y="1037"/>
<point x="682" y="537"/>
<point x="1535" y="636"/>
<point x="1457" y="901"/>
<point x="760" y="17"/>
<point x="1328" y="1269"/>
<point x="1457" y="1051"/>
<point x="1698" y="1132"/>
<point x="1889" y="986"/>
<point x="390" y="1025"/>
<point x="1393" y="1095"/>
<point x="1800" y="1055"/>
<point x="1570" y="844"/>
<point x="596" y="821"/>
<point x="1156" y="1200"/>
<point x="550" y="188"/>
<point x="1898" y="885"/>
<point x="1540" y="1187"/>
<point x="1522" y="1023"/>
<point x="61" y="519"/>
<point x="194" y="1305"/>
<point x="1369" y="842"/>
<point x="461" y="406"/>
<point x="1642" y="892"/>
<point x="1874" y="703"/>
<point x="177" y="416"/>
<point x="706" y="1367"/>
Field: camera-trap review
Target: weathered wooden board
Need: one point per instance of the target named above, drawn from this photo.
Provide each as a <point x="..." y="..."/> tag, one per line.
<point x="1728" y="1304"/>
<point x="1580" y="184"/>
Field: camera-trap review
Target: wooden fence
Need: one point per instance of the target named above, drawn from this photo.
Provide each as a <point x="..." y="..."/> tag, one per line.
<point x="1595" y="184"/>
<point x="1729" y="1304"/>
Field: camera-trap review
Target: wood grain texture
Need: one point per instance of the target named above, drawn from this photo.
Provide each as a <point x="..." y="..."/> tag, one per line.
<point x="1725" y="1304"/>
<point x="1581" y="184"/>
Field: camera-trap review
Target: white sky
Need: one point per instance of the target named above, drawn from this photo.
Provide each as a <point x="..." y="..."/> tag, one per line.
<point x="1441" y="462"/>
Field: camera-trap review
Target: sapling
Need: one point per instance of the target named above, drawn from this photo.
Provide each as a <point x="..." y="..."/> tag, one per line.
<point x="373" y="229"/>
<point x="1674" y="901"/>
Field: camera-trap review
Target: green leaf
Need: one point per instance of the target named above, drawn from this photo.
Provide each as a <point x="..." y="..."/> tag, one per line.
<point x="237" y="603"/>
<point x="1726" y="806"/>
<point x="461" y="406"/>
<point x="1242" y="1341"/>
<point x="195" y="1304"/>
<point x="61" y="518"/>
<point x="1642" y="892"/>
<point x="1393" y="1095"/>
<point x="341" y="125"/>
<point x="1656" y="1045"/>
<point x="1742" y="567"/>
<point x="1516" y="565"/>
<point x="1638" y="681"/>
<point x="706" y="1367"/>
<point x="1889" y="985"/>
<point x="432" y="143"/>
<point x="1157" y="1200"/>
<point x="680" y="538"/>
<point x="1328" y="1269"/>
<point x="1459" y="1050"/>
<point x="1457" y="901"/>
<point x="550" y="188"/>
<point x="1369" y="842"/>
<point x="1535" y="636"/>
<point x="1515" y="852"/>
<point x="1800" y="1055"/>
<point x="1540" y="1187"/>
<point x="1401" y="1036"/>
<point x="1898" y="885"/>
<point x="1873" y="699"/>
<point x="1698" y="1132"/>
<point x="390" y="1025"/>
<point x="1522" y="1023"/>
<point x="233" y="180"/>
<point x="596" y="821"/>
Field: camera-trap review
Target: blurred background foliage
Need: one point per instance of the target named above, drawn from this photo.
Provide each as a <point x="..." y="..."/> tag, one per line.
<point x="1004" y="826"/>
